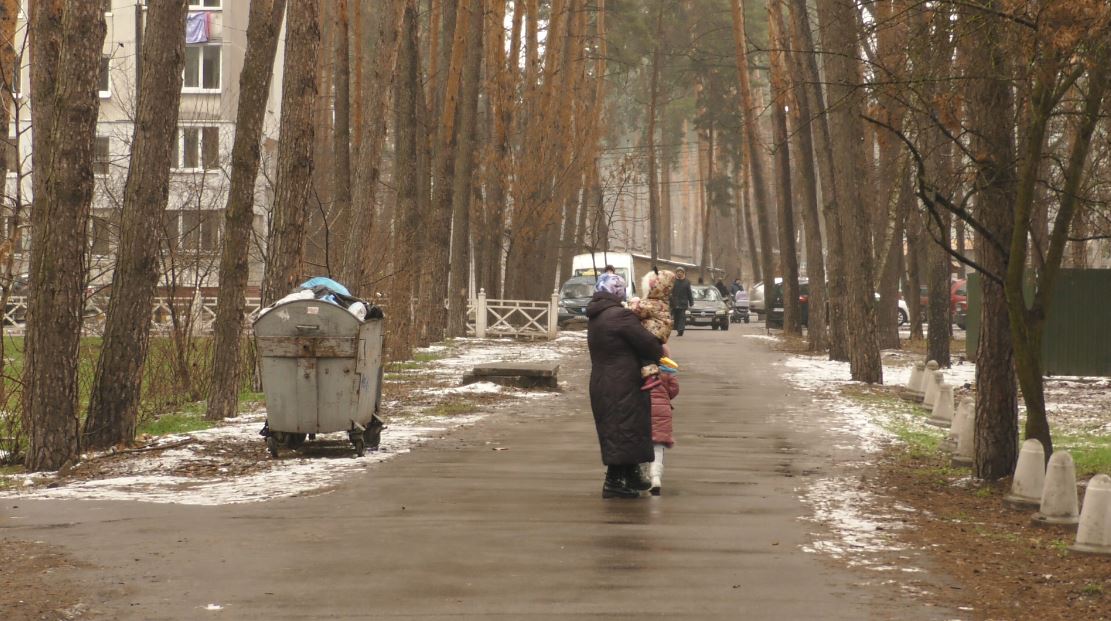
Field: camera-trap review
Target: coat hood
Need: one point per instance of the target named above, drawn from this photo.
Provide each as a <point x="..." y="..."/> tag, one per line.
<point x="658" y="285"/>
<point x="602" y="300"/>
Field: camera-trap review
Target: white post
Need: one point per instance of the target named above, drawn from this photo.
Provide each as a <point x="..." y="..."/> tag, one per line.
<point x="553" y="315"/>
<point x="480" y="315"/>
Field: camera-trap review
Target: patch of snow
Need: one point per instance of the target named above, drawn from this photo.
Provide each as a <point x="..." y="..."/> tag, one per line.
<point x="858" y="534"/>
<point x="478" y="388"/>
<point x="762" y="337"/>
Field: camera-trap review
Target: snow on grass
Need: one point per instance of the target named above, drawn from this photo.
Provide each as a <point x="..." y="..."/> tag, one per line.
<point x="147" y="478"/>
<point x="227" y="464"/>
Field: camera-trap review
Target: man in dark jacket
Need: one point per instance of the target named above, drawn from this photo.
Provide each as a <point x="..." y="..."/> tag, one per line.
<point x="682" y="298"/>
<point x="622" y="411"/>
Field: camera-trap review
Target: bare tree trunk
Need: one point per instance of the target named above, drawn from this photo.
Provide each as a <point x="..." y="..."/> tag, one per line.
<point x="801" y="115"/>
<point x="788" y="254"/>
<point x="360" y="251"/>
<point x="114" y="404"/>
<point x="434" y="285"/>
<point x="839" y="42"/>
<point x="836" y="289"/>
<point x="653" y="181"/>
<point x="408" y="95"/>
<point x="745" y="199"/>
<point x="341" y="141"/>
<point x="263" y="25"/>
<point x="463" y="177"/>
<point x="65" y="89"/>
<point x="991" y="110"/>
<point x="752" y="149"/>
<point x="293" y="191"/>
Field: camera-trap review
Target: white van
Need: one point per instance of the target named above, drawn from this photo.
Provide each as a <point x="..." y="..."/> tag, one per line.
<point x="595" y="264"/>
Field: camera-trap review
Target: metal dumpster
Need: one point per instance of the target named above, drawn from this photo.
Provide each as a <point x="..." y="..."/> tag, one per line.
<point x="321" y="371"/>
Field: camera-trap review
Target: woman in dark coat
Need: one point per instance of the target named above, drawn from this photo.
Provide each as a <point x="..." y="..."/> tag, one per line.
<point x="622" y="411"/>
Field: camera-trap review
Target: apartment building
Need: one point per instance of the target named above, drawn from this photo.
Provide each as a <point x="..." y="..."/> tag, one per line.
<point x="200" y="175"/>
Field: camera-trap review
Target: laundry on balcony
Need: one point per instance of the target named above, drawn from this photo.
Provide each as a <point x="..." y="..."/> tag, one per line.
<point x="198" y="27"/>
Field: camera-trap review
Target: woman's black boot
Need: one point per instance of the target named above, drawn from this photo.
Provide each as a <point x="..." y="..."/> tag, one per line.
<point x="616" y="486"/>
<point x="635" y="479"/>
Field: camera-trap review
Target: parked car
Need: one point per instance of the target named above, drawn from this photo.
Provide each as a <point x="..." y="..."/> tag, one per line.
<point x="775" y="307"/>
<point x="574" y="295"/>
<point x="709" y="309"/>
<point x="958" y="294"/>
<point x="775" y="315"/>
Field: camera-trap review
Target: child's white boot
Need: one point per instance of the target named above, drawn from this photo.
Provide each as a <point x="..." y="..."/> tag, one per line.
<point x="656" y="470"/>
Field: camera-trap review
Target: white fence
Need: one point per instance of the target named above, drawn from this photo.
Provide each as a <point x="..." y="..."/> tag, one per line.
<point x="196" y="313"/>
<point x="515" y="318"/>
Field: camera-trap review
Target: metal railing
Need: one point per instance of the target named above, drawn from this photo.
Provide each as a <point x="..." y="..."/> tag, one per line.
<point x="514" y="318"/>
<point x="195" y="313"/>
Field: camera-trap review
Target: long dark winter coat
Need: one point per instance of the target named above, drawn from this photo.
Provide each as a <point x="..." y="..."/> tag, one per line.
<point x="622" y="411"/>
<point x="681" y="294"/>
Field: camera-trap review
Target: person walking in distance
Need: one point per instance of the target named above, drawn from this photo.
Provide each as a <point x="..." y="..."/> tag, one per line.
<point x="622" y="411"/>
<point x="682" y="298"/>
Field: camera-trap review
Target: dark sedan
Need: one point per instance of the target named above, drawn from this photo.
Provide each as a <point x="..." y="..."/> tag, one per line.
<point x="709" y="308"/>
<point x="574" y="295"/>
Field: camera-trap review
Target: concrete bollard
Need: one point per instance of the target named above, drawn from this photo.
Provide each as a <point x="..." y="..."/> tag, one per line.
<point x="913" y="388"/>
<point x="925" y="379"/>
<point x="1059" y="506"/>
<point x="942" y="414"/>
<point x="964" y="451"/>
<point x="1029" y="479"/>
<point x="935" y="382"/>
<point x="964" y="408"/>
<point x="1094" y="532"/>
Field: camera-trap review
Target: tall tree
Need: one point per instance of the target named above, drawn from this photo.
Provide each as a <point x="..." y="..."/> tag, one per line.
<point x="342" y="51"/>
<point x="360" y="253"/>
<point x="463" y="176"/>
<point x="650" y="139"/>
<point x="840" y="40"/>
<point x="752" y="150"/>
<point x="823" y="142"/>
<point x="788" y="255"/>
<point x="263" y="26"/>
<point x="67" y="37"/>
<point x="285" y="242"/>
<point x="114" y="405"/>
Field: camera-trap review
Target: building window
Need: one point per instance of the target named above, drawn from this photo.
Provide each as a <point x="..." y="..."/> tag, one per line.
<point x="204" y="4"/>
<point x="195" y="230"/>
<point x="105" y="76"/>
<point x="202" y="68"/>
<point x="102" y="156"/>
<point x="198" y="148"/>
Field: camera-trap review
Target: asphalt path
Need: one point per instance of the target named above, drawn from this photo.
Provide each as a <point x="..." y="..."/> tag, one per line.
<point x="456" y="529"/>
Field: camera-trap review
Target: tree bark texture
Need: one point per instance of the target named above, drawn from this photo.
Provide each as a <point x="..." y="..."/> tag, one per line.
<point x="991" y="109"/>
<point x="836" y="290"/>
<point x="114" y="404"/>
<point x="361" y="251"/>
<point x="788" y="253"/>
<point x="463" y="177"/>
<point x="293" y="187"/>
<point x="341" y="139"/>
<point x="752" y="150"/>
<point x="650" y="140"/>
<point x="263" y="25"/>
<point x="840" y="46"/>
<point x="67" y="37"/>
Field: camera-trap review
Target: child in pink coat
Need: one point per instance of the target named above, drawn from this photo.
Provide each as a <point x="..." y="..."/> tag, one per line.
<point x="662" y="395"/>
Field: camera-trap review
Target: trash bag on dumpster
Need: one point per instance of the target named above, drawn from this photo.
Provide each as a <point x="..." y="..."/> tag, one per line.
<point x="327" y="290"/>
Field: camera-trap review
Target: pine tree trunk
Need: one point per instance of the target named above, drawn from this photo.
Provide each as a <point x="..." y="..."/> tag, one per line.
<point x="463" y="176"/>
<point x="751" y="150"/>
<point x="839" y="43"/>
<point x="802" y="128"/>
<point x="341" y="139"/>
<point x="835" y="268"/>
<point x="434" y="281"/>
<point x="788" y="254"/>
<point x="653" y="178"/>
<point x="114" y="404"/>
<point x="263" y="25"/>
<point x="293" y="188"/>
<point x="64" y="87"/>
<point x="991" y="110"/>
<point x="361" y="251"/>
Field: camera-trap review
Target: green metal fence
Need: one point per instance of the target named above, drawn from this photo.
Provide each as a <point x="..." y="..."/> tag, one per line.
<point x="1078" y="333"/>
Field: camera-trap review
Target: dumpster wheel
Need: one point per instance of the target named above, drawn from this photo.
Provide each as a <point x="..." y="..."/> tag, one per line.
<point x="359" y="441"/>
<point x="272" y="446"/>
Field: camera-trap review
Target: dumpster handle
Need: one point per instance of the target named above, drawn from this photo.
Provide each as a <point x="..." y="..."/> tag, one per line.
<point x="307" y="328"/>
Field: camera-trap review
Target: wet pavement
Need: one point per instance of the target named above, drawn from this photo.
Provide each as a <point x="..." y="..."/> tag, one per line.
<point x="505" y="520"/>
